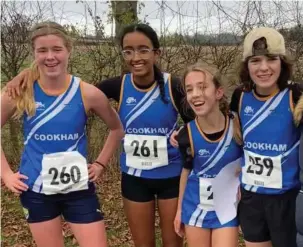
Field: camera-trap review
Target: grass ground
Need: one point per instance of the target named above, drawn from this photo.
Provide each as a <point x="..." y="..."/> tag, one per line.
<point x="15" y="231"/>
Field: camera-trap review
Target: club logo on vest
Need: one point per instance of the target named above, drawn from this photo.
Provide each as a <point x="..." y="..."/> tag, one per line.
<point x="131" y="101"/>
<point x="249" y="111"/>
<point x="280" y="147"/>
<point x="39" y="106"/>
<point x="203" y="153"/>
<point x="56" y="137"/>
<point x="163" y="131"/>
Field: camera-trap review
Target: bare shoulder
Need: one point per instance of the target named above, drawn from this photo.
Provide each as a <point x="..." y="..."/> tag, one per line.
<point x="91" y="91"/>
<point x="92" y="95"/>
<point x="88" y="88"/>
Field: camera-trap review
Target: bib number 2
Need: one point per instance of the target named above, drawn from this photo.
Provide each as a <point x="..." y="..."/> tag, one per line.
<point x="206" y="194"/>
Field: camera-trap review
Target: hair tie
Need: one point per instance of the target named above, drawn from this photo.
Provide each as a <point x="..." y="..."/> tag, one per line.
<point x="230" y="115"/>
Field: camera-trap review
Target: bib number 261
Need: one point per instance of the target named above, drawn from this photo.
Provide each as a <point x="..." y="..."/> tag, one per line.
<point x="63" y="176"/>
<point x="142" y="149"/>
<point x="145" y="152"/>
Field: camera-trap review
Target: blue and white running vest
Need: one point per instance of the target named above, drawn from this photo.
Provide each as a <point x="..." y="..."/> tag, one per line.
<point x="271" y="143"/>
<point x="148" y="124"/>
<point x="209" y="158"/>
<point x="54" y="156"/>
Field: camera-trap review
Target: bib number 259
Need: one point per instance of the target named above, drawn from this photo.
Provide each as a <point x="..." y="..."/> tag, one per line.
<point x="63" y="176"/>
<point x="261" y="170"/>
<point x="260" y="166"/>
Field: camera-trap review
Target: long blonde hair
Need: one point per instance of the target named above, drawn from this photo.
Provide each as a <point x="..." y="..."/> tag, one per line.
<point x="217" y="79"/>
<point x="25" y="103"/>
<point x="298" y="111"/>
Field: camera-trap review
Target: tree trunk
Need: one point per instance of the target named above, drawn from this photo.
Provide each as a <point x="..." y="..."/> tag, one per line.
<point x="125" y="12"/>
<point x="15" y="144"/>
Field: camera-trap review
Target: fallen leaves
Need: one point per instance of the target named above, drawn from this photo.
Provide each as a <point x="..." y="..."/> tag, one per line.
<point x="15" y="230"/>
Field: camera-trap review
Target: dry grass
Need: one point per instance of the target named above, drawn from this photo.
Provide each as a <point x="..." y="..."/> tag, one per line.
<point x="15" y="231"/>
<point x="93" y="68"/>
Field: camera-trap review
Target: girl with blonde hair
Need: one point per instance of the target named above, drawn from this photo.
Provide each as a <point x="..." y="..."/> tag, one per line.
<point x="54" y="178"/>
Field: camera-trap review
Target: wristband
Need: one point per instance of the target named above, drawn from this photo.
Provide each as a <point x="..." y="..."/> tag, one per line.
<point x="99" y="163"/>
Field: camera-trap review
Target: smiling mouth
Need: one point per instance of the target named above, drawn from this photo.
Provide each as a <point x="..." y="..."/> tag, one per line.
<point x="199" y="103"/>
<point x="137" y="66"/>
<point x="51" y="65"/>
<point x="264" y="77"/>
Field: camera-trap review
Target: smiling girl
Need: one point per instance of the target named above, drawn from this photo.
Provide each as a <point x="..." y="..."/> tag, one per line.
<point x="208" y="144"/>
<point x="270" y="168"/>
<point x="149" y="104"/>
<point x="54" y="178"/>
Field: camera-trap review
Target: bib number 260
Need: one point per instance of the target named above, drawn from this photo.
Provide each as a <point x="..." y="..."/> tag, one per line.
<point x="64" y="172"/>
<point x="63" y="176"/>
<point x="145" y="150"/>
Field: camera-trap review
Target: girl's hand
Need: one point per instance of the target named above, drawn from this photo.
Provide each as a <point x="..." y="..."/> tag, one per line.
<point x="94" y="171"/>
<point x="173" y="138"/>
<point x="14" y="182"/>
<point x="179" y="227"/>
<point x="14" y="87"/>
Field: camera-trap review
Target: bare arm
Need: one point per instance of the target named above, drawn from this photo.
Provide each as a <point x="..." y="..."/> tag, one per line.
<point x="185" y="150"/>
<point x="179" y="227"/>
<point x="7" y="111"/>
<point x="97" y="102"/>
<point x="12" y="180"/>
<point x="183" y="182"/>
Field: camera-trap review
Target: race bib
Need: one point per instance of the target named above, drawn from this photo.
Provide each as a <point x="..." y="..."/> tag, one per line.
<point x="263" y="171"/>
<point x="145" y="152"/>
<point x="206" y="194"/>
<point x="64" y="172"/>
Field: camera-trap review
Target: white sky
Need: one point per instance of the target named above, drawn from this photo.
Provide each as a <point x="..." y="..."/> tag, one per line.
<point x="180" y="16"/>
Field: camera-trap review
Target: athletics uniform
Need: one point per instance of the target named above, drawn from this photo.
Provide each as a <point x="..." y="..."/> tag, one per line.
<point x="54" y="159"/>
<point x="299" y="202"/>
<point x="205" y="155"/>
<point x="150" y="165"/>
<point x="270" y="177"/>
